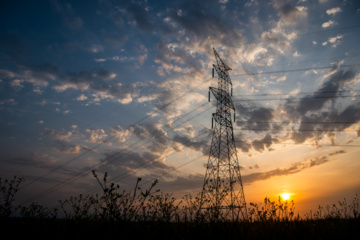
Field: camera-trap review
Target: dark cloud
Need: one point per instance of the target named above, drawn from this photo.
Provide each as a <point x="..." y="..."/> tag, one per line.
<point x="164" y="101"/>
<point x="295" y="168"/>
<point x="152" y="130"/>
<point x="259" y="119"/>
<point x="128" y="161"/>
<point x="68" y="148"/>
<point x="203" y="19"/>
<point x="43" y="71"/>
<point x="12" y="48"/>
<point x="87" y="76"/>
<point x="141" y="16"/>
<point x="316" y="112"/>
<point x="200" y="145"/>
<point x="101" y="81"/>
<point x="116" y="39"/>
<point x="260" y="144"/>
<point x="329" y="89"/>
<point x="287" y="11"/>
<point x="170" y="57"/>
<point x="35" y="160"/>
<point x="254" y="117"/>
<point x="337" y="152"/>
<point x="243" y="145"/>
<point x="70" y="19"/>
<point x="182" y="183"/>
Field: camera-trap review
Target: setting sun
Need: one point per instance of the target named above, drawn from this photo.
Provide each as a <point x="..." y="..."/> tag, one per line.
<point x="285" y="196"/>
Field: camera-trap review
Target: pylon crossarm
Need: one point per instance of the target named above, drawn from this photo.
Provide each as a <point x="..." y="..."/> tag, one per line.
<point x="220" y="62"/>
<point x="222" y="74"/>
<point x="223" y="96"/>
<point x="222" y="120"/>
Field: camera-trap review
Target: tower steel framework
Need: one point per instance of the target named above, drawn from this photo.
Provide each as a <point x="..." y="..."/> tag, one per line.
<point x="222" y="191"/>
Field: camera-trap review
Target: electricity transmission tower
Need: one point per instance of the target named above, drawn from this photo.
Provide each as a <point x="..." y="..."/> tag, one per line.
<point x="222" y="194"/>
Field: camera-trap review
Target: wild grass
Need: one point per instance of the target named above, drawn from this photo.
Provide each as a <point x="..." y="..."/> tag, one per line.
<point x="147" y="212"/>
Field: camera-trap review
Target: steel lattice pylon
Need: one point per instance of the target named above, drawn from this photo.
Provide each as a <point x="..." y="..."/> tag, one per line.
<point x="222" y="191"/>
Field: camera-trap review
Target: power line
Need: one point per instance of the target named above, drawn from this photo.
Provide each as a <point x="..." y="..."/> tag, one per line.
<point x="330" y="29"/>
<point x="309" y="122"/>
<point x="293" y="98"/>
<point x="106" y="140"/>
<point x="300" y="130"/>
<point x="51" y="189"/>
<point x="311" y="144"/>
<point x="295" y="70"/>
<point x="141" y="166"/>
<point x="300" y="93"/>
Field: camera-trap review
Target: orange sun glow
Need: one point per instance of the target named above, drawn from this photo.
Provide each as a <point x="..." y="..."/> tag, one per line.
<point x="285" y="196"/>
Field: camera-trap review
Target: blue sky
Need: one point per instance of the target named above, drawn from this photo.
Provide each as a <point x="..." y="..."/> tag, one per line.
<point x="121" y="87"/>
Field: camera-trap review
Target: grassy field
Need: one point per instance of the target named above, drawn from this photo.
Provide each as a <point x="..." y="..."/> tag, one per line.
<point x="64" y="229"/>
<point x="147" y="214"/>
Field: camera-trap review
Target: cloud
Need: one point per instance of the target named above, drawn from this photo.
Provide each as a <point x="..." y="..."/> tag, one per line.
<point x="82" y="97"/>
<point x="295" y="168"/>
<point x="328" y="24"/>
<point x="319" y="108"/>
<point x="337" y="152"/>
<point x="289" y="14"/>
<point x="69" y="17"/>
<point x="182" y="183"/>
<point x="242" y="144"/>
<point x="37" y="75"/>
<point x="116" y="40"/>
<point x="121" y="134"/>
<point x="62" y="135"/>
<point x="138" y="15"/>
<point x="335" y="40"/>
<point x="38" y="160"/>
<point x="253" y="117"/>
<point x="67" y="148"/>
<point x="260" y="144"/>
<point x="101" y="82"/>
<point x="305" y="118"/>
<point x="333" y="11"/>
<point x="96" y="135"/>
<point x="17" y="83"/>
<point x="128" y="162"/>
<point x="335" y="83"/>
<point x="201" y="146"/>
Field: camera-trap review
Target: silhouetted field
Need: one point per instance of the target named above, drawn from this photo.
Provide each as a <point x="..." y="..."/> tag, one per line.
<point x="147" y="214"/>
<point x="64" y="229"/>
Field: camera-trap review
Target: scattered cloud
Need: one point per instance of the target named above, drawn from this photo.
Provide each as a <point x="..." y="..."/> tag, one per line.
<point x="333" y="11"/>
<point x="58" y="135"/>
<point x="82" y="97"/>
<point x="335" y="41"/>
<point x="328" y="24"/>
<point x="96" y="135"/>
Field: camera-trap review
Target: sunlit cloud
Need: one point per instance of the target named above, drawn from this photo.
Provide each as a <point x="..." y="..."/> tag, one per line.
<point x="333" y="11"/>
<point x="328" y="24"/>
<point x="82" y="97"/>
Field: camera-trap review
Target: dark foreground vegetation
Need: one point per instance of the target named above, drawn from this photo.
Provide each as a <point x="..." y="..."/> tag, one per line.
<point x="149" y="213"/>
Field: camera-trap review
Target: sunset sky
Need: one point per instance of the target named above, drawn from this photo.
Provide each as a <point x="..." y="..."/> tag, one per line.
<point x="122" y="87"/>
